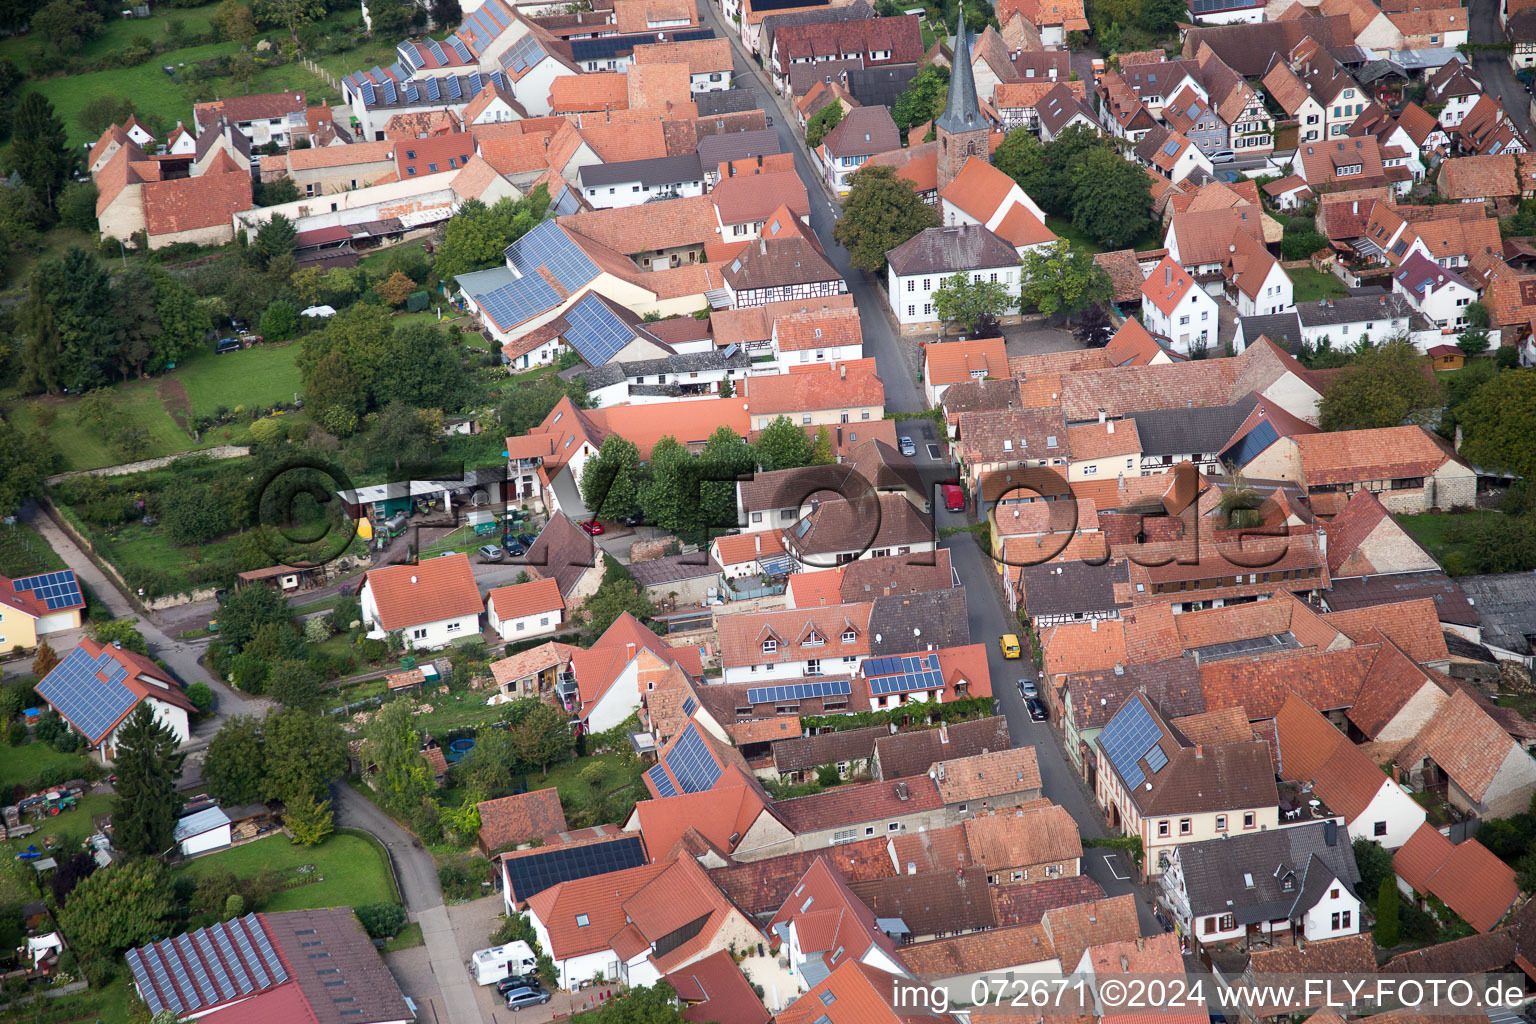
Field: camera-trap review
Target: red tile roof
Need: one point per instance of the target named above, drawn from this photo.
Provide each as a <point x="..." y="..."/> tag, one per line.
<point x="526" y="599"/>
<point x="848" y="805"/>
<point x="1466" y="877"/>
<point x="187" y="204"/>
<point x="517" y="819"/>
<point x="956" y="361"/>
<point x="714" y="989"/>
<point x="430" y="591"/>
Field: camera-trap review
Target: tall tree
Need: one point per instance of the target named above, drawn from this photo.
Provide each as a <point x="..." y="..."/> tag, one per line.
<point x="235" y="765"/>
<point x="477" y="234"/>
<point x="119" y="907"/>
<point x="543" y="738"/>
<point x="393" y="746"/>
<point x="1062" y="281"/>
<point x="39" y="150"/>
<point x="274" y="239"/>
<point x="401" y="437"/>
<point x="309" y="821"/>
<point x="610" y="483"/>
<point x="726" y="458"/>
<point x="1111" y="198"/>
<point x="421" y="369"/>
<point x="1022" y="157"/>
<point x="1384" y="386"/>
<point x="670" y="495"/>
<point x="232" y="20"/>
<point x="618" y="594"/>
<point x="67" y="322"/>
<point x="184" y="325"/>
<point x="291" y="14"/>
<point x="334" y="396"/>
<point x="1499" y="423"/>
<point x="962" y="299"/>
<point x="68" y="24"/>
<point x="782" y="445"/>
<point x="138" y="322"/>
<point x="145" y="805"/>
<point x="304" y="754"/>
<point x="923" y="99"/>
<point x="821" y="450"/>
<point x="822" y="122"/>
<point x="881" y="212"/>
<point x="25" y="460"/>
<point x="487" y="769"/>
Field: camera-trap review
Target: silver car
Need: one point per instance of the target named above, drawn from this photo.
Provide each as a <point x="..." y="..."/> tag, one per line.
<point x="907" y="447"/>
<point x="1027" y="688"/>
<point x="491" y="553"/>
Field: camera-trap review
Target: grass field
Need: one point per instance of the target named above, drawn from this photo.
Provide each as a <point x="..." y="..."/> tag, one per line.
<point x="1149" y="239"/>
<point x="84" y="445"/>
<point x="23" y="552"/>
<point x="116" y="33"/>
<point x="1311" y="285"/>
<point x="352" y="870"/>
<point x="1430" y="529"/>
<point x="22" y="764"/>
<point x="260" y="376"/>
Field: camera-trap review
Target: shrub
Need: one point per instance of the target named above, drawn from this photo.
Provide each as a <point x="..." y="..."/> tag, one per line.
<point x="16" y="733"/>
<point x="381" y="920"/>
<point x="317" y="630"/>
<point x="201" y="695"/>
<point x="461" y="877"/>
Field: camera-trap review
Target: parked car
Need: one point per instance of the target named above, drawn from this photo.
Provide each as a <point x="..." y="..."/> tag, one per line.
<point x="1027" y="688"/>
<point x="632" y="521"/>
<point x="515" y="981"/>
<point x="1223" y="156"/>
<point x="1010" y="645"/>
<point x="593" y="528"/>
<point x="1036" y="708"/>
<point x="521" y="997"/>
<point x="526" y="540"/>
<point x="907" y="447"/>
<point x="227" y="345"/>
<point x="491" y="553"/>
<point x="514" y="548"/>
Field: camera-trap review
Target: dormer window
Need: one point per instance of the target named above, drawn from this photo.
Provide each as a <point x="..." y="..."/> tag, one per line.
<point x="770" y="646"/>
<point x="849" y="636"/>
<point x="813" y="640"/>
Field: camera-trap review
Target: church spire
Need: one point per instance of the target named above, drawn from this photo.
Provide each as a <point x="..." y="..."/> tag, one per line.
<point x="961" y="113"/>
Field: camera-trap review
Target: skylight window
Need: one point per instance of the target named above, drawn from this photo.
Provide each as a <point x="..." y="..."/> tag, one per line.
<point x="582" y="920"/>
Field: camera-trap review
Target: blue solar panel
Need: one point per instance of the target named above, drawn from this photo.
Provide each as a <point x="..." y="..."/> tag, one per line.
<point x="1126" y="740"/>
<point x="1157" y="760"/>
<point x="55" y="589"/>
<point x="596" y="332"/>
<point x="518" y="300"/>
<point x="661" y="781"/>
<point x="227" y="949"/>
<point x="455" y="88"/>
<point x="141" y="979"/>
<point x="689" y="705"/>
<point x="548" y="246"/>
<point x="1251" y="444"/>
<point x="798" y="691"/>
<point x="76" y="690"/>
<point x="268" y="954"/>
<point x="901" y="664"/>
<point x="691" y="763"/>
<point x="524" y="53"/>
<point x="227" y="989"/>
<point x="906" y="682"/>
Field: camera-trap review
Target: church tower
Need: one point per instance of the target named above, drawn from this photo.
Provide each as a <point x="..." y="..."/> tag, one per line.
<point x="961" y="131"/>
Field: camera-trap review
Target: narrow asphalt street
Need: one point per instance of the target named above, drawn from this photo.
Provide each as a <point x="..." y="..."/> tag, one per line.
<point x="423" y="897"/>
<point x="989" y="616"/>
<point x="880" y="339"/>
<point x="1492" y="66"/>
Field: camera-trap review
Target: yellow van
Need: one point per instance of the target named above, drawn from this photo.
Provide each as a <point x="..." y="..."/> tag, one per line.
<point x="1010" y="645"/>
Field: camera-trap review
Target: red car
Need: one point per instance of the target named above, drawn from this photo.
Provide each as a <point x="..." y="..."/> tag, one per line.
<point x="593" y="528"/>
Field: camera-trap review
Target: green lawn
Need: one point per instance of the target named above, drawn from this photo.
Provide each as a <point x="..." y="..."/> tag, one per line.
<point x="352" y="869"/>
<point x="68" y="829"/>
<point x="253" y="377"/>
<point x="85" y="445"/>
<point x="409" y="936"/>
<point x="118" y="32"/>
<point x="1430" y="528"/>
<point x="23" y="552"/>
<point x="23" y="764"/>
<point x="1150" y="239"/>
<point x="1310" y="285"/>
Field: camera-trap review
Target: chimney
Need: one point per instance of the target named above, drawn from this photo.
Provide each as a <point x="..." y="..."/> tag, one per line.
<point x="1110" y="426"/>
<point x="1125" y="963"/>
<point x="757" y="539"/>
<point x="413" y="579"/>
<point x="629" y="650"/>
<point x="911" y="867"/>
<point x="1199" y="752"/>
<point x="1167" y="275"/>
<point x="1119" y="668"/>
<point x="901" y="791"/>
<point x="1101" y="414"/>
<point x="842" y="370"/>
<point x="1093" y="625"/>
<point x="762" y="246"/>
<point x="943" y="734"/>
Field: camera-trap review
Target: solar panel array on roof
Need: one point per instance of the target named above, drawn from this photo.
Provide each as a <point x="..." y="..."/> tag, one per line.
<point x="662" y="781"/>
<point x="689" y="705"/>
<point x="691" y="763"/>
<point x="1250" y="445"/>
<point x="89" y="691"/>
<point x="518" y="300"/>
<point x="611" y="47"/>
<point x="596" y="332"/>
<point x="460" y="49"/>
<point x="566" y="202"/>
<point x="548" y="246"/>
<point x="202" y="969"/>
<point x="523" y="54"/>
<point x="55" y="589"/>
<point x="903" y="674"/>
<point x="535" y="872"/>
<point x="798" y="691"/>
<point x="1127" y="739"/>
